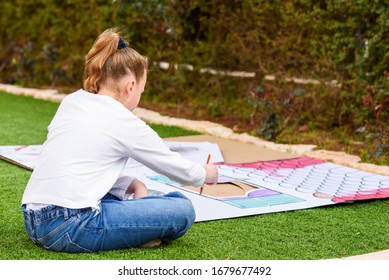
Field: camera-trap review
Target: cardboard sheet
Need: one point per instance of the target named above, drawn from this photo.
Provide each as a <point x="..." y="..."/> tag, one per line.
<point x="252" y="180"/>
<point x="23" y="156"/>
<point x="236" y="152"/>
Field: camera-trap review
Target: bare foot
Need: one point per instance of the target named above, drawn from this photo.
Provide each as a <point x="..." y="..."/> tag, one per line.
<point x="152" y="243"/>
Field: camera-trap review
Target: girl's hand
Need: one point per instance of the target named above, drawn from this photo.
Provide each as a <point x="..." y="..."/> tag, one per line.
<point x="212" y="174"/>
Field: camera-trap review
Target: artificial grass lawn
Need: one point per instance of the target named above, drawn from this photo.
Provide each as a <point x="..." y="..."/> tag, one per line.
<point x="320" y="233"/>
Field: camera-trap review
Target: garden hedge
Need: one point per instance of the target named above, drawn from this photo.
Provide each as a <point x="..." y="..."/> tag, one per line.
<point x="343" y="45"/>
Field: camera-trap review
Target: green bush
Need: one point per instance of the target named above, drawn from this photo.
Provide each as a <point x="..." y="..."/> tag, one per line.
<point x="44" y="43"/>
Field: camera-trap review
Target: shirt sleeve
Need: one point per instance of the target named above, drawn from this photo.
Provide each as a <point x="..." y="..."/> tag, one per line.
<point x="150" y="150"/>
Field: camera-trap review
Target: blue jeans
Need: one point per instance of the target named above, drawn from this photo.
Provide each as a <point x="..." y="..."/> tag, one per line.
<point x="117" y="225"/>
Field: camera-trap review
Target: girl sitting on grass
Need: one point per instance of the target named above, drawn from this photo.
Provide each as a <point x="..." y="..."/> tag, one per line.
<point x="76" y="200"/>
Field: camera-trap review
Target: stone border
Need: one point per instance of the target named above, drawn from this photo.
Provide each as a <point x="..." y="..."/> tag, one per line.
<point x="214" y="129"/>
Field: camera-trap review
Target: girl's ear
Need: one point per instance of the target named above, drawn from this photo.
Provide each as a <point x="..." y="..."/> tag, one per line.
<point x="130" y="86"/>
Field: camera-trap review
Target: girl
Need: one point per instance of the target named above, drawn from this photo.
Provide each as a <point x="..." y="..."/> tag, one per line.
<point x="75" y="200"/>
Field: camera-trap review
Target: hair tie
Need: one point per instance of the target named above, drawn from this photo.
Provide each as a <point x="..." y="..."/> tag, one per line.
<point x="121" y="44"/>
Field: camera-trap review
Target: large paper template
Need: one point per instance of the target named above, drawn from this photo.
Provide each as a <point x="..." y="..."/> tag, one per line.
<point x="246" y="189"/>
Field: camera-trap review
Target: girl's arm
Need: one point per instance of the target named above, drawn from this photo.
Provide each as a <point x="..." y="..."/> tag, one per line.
<point x="137" y="188"/>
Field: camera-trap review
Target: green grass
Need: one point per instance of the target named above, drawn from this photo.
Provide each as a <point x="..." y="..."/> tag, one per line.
<point x="320" y="233"/>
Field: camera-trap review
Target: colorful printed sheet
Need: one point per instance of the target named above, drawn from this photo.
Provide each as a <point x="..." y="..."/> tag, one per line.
<point x="251" y="188"/>
<point x="281" y="185"/>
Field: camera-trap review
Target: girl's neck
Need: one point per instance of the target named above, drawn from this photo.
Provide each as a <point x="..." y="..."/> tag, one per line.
<point x="108" y="92"/>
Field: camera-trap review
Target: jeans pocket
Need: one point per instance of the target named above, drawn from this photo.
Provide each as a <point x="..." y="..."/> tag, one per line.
<point x="65" y="244"/>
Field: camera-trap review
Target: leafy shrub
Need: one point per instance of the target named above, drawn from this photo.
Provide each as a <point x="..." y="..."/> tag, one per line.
<point x="44" y="42"/>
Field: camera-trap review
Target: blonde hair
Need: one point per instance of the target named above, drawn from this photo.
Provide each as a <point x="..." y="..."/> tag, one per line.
<point x="107" y="60"/>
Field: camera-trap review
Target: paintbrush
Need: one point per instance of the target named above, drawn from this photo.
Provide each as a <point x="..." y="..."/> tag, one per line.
<point x="208" y="159"/>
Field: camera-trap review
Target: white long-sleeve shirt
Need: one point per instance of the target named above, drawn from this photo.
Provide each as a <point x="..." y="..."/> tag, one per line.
<point x="89" y="142"/>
